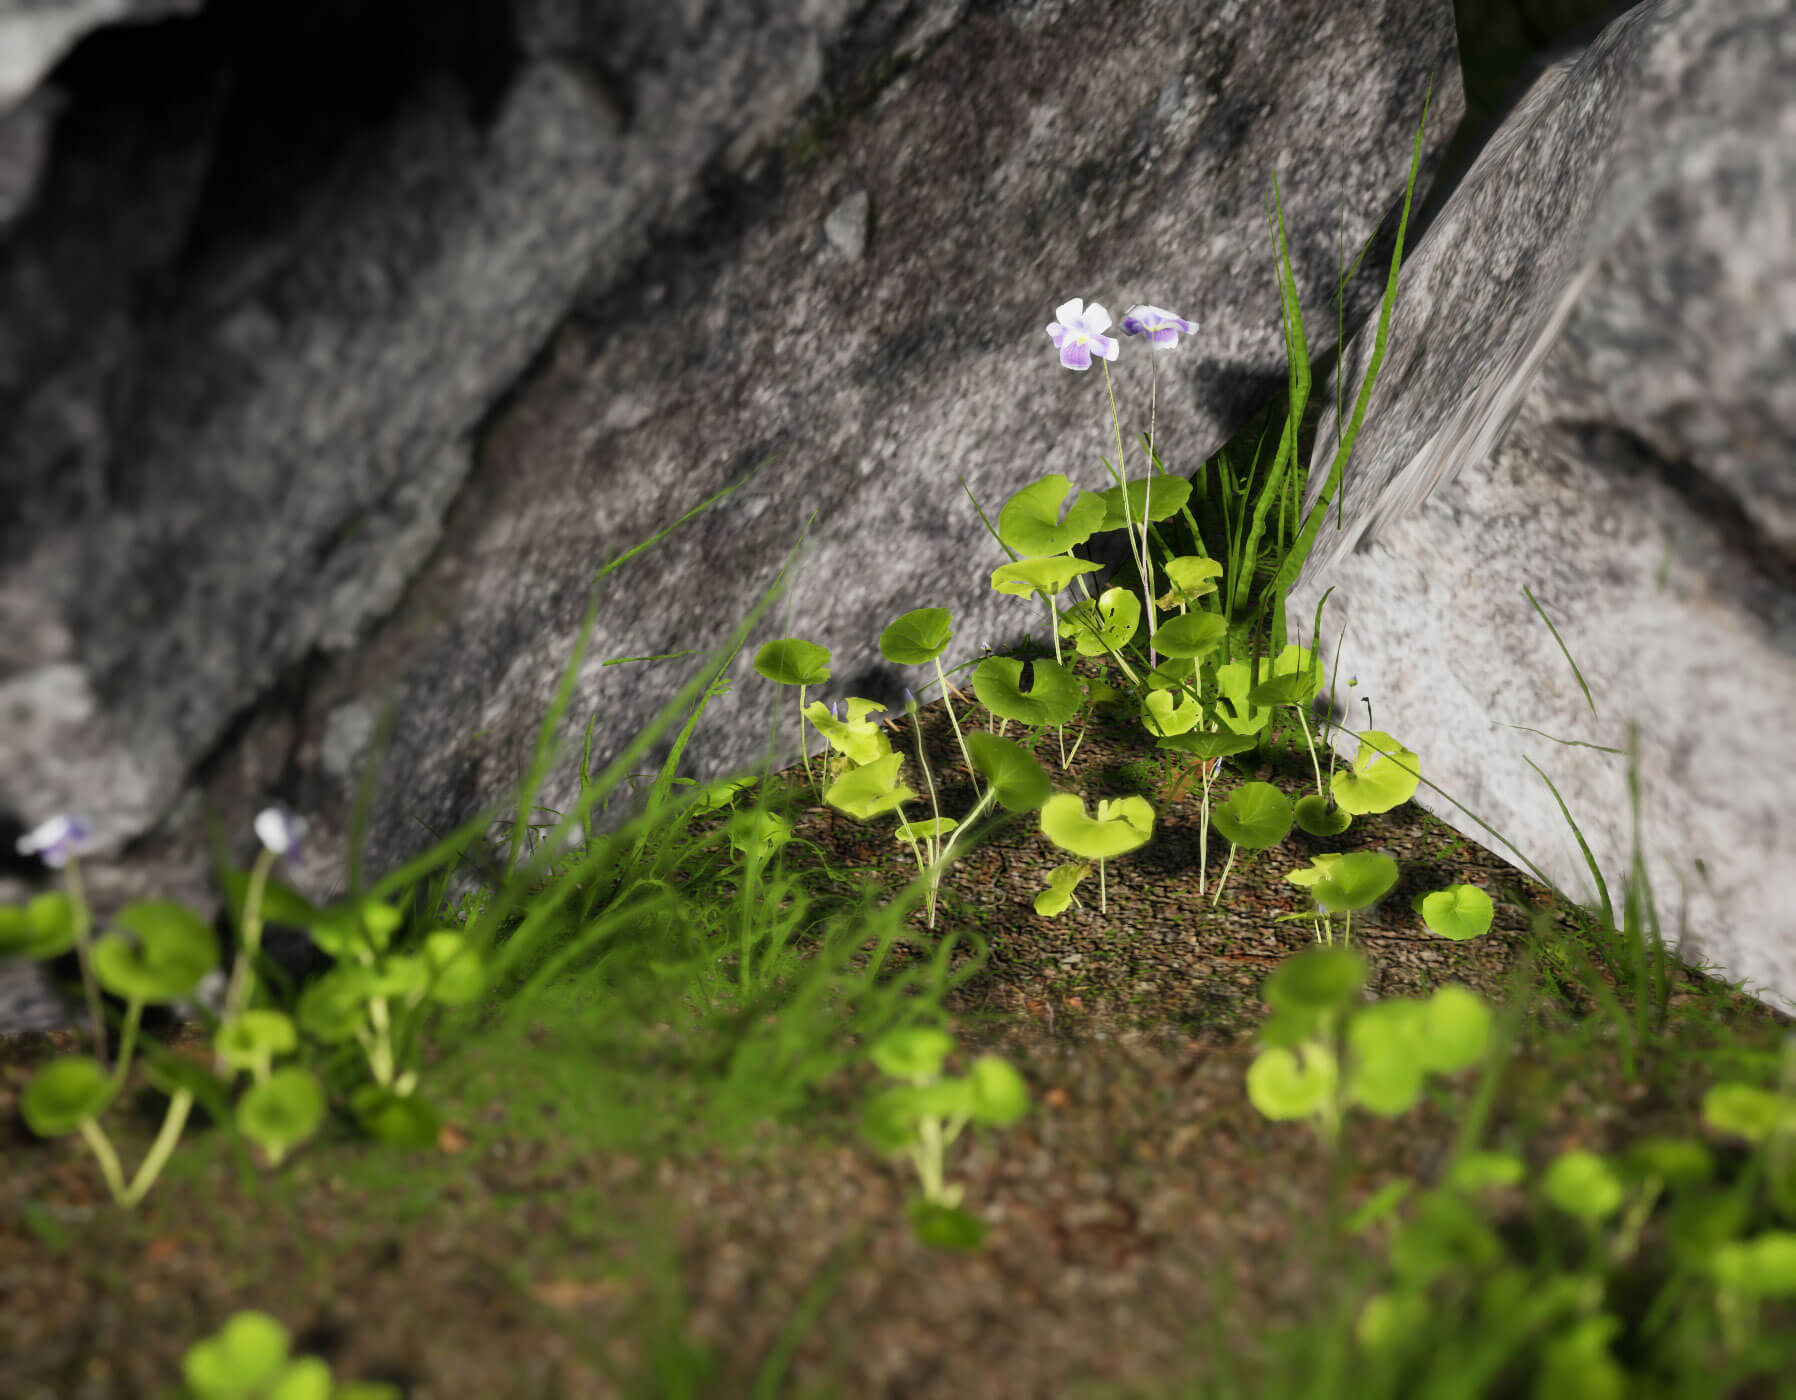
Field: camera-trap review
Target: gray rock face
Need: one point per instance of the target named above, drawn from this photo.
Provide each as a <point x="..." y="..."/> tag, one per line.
<point x="35" y="34"/>
<point x="1616" y="278"/>
<point x="351" y="409"/>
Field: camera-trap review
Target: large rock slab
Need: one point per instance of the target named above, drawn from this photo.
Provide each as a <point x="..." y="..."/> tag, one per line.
<point x="35" y="34"/>
<point x="404" y="390"/>
<point x="1591" y="393"/>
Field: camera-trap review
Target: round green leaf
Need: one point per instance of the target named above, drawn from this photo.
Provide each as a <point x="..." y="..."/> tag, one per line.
<point x="1394" y="1028"/>
<point x="1150" y="499"/>
<point x="1166" y="713"/>
<point x="459" y="976"/>
<point x="1280" y="1088"/>
<point x="337" y="932"/>
<point x="249" y="1351"/>
<point x="1457" y="1025"/>
<point x="65" y="1094"/>
<point x="1018" y="783"/>
<point x="253" y="1036"/>
<point x="1320" y="817"/>
<point x="174" y="949"/>
<point x="1581" y="1183"/>
<point x="919" y="636"/>
<point x="888" y="1122"/>
<point x="1459" y="911"/>
<point x="1054" y="698"/>
<point x="40" y="929"/>
<point x="401" y="1122"/>
<point x="381" y="921"/>
<point x="284" y="1109"/>
<point x="1186" y="577"/>
<point x="1256" y="815"/>
<point x="1119" y="827"/>
<point x="1354" y="881"/>
<point x="871" y="789"/>
<point x="1384" y="775"/>
<point x="1389" y="1323"/>
<point x="334" y="1007"/>
<point x="1385" y="1085"/>
<point x="1763" y="1267"/>
<point x="1191" y="634"/>
<point x="1478" y="1169"/>
<point x="913" y="1052"/>
<point x="308" y="1378"/>
<point x="793" y="661"/>
<point x="1318" y="978"/>
<point x="946" y="1227"/>
<point x="999" y="1094"/>
<point x="1745" y="1111"/>
<point x="1679" y="1162"/>
<point x="399" y="976"/>
<point x="1106" y="625"/>
<point x="753" y="835"/>
<point x="1030" y="520"/>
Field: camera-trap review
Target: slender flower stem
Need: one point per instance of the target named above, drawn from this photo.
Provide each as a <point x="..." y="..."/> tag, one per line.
<point x="1142" y="567"/>
<point x="82" y="925"/>
<point x="243" y="976"/>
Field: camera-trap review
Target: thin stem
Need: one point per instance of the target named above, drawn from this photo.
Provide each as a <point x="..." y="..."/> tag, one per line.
<point x="1128" y="521"/>
<point x="85" y="958"/>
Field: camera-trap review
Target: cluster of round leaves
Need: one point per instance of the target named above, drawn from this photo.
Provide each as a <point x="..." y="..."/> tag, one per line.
<point x="909" y="1118"/>
<point x="1256" y="815"/>
<point x="247" y="1360"/>
<point x="157" y="954"/>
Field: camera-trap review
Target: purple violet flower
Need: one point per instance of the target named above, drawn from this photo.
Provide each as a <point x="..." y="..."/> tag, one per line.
<point x="55" y="841"/>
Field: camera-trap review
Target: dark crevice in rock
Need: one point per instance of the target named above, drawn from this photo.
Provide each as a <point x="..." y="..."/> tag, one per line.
<point x="1627" y="455"/>
<point x="1498" y="73"/>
